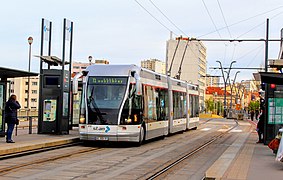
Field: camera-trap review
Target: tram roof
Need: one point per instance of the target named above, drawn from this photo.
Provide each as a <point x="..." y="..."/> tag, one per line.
<point x="13" y="73"/>
<point x="111" y="70"/>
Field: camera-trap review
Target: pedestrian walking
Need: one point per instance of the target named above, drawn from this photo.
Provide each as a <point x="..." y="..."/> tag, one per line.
<point x="256" y="114"/>
<point x="252" y="115"/>
<point x="11" y="117"/>
<point x="260" y="125"/>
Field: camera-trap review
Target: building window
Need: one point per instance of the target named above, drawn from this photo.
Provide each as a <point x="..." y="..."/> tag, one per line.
<point x="26" y="91"/>
<point x="26" y="83"/>
<point x="34" y="83"/>
<point x="12" y="91"/>
<point x="26" y="99"/>
<point x="34" y="91"/>
<point x="33" y="100"/>
<point x="12" y="82"/>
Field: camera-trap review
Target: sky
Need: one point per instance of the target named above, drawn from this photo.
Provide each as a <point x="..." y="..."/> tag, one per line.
<point x="128" y="31"/>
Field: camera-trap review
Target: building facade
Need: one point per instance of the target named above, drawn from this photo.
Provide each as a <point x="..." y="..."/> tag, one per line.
<point x="154" y="65"/>
<point x="193" y="67"/>
<point x="19" y="87"/>
<point x="212" y="81"/>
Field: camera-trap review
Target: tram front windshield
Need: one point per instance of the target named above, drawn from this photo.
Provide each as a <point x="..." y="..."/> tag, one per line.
<point x="104" y="99"/>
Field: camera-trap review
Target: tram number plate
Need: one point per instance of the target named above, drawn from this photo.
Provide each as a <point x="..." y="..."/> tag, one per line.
<point x="101" y="138"/>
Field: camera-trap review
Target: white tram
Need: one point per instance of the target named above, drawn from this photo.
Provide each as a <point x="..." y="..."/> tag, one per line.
<point x="133" y="104"/>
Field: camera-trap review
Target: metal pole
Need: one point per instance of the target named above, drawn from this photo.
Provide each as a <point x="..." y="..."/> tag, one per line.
<point x="281" y="42"/>
<point x="70" y="105"/>
<point x="49" y="43"/>
<point x="225" y="84"/>
<point x="266" y="45"/>
<point x="40" y="99"/>
<point x="232" y="87"/>
<point x="224" y="87"/>
<point x="266" y="70"/>
<point x="30" y="40"/>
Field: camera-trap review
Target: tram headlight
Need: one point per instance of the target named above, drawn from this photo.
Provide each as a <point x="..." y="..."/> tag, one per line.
<point x="135" y="117"/>
<point x="129" y="120"/>
<point x="82" y="120"/>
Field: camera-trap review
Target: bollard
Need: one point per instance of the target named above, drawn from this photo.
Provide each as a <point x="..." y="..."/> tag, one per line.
<point x="30" y="125"/>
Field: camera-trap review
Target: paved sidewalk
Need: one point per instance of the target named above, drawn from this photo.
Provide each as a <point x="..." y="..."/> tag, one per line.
<point x="26" y="142"/>
<point x="251" y="161"/>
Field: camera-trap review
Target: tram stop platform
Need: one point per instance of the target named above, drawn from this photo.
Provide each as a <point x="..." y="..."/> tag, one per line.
<point x="245" y="159"/>
<point x="29" y="142"/>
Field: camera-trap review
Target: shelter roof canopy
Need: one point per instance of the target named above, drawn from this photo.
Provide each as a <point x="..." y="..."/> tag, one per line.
<point x="12" y="73"/>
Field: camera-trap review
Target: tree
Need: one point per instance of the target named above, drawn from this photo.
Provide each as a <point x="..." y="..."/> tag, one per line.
<point x="254" y="105"/>
<point x="209" y="103"/>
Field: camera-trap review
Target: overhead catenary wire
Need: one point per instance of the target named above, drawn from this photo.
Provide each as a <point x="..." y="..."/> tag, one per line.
<point x="170" y="68"/>
<point x="178" y="75"/>
<point x="167" y="17"/>
<point x="259" y="25"/>
<point x="224" y="18"/>
<point x="260" y="46"/>
<point x="155" y="17"/>
<point x="233" y="24"/>
<point x="260" y="50"/>
<point x="216" y="29"/>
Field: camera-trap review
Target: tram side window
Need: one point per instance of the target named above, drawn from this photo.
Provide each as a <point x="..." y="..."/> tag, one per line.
<point x="197" y="106"/>
<point x="132" y="110"/>
<point x="194" y="106"/>
<point x="161" y="104"/>
<point x="149" y="103"/>
<point x="179" y="105"/>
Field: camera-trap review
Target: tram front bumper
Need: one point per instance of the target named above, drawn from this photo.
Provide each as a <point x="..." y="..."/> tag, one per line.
<point x="125" y="136"/>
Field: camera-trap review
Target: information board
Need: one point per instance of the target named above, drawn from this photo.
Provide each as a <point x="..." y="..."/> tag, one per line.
<point x="49" y="109"/>
<point x="275" y="109"/>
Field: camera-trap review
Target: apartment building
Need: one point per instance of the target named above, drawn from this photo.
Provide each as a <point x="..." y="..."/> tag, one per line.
<point x="154" y="65"/>
<point x="19" y="87"/>
<point x="212" y="81"/>
<point x="193" y="67"/>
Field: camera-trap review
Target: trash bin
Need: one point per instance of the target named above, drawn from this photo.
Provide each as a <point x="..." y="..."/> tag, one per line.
<point x="240" y="116"/>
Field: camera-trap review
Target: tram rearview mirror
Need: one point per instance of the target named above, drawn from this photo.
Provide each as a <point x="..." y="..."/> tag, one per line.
<point x="75" y="84"/>
<point x="138" y="83"/>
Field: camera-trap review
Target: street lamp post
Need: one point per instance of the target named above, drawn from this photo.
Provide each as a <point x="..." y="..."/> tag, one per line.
<point x="225" y="83"/>
<point x="89" y="59"/>
<point x="30" y="40"/>
<point x="232" y="88"/>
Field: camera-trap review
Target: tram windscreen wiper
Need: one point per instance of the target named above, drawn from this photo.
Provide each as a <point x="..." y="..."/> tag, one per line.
<point x="95" y="108"/>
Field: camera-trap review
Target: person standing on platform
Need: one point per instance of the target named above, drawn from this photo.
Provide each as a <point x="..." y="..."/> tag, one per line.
<point x="260" y="125"/>
<point x="252" y="115"/>
<point x="11" y="116"/>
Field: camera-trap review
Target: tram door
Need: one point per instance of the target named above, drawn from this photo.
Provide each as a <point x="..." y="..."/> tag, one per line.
<point x="2" y="101"/>
<point x="3" y="95"/>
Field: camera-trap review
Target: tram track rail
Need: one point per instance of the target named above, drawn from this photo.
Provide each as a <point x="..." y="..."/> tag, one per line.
<point x="190" y="154"/>
<point x="44" y="160"/>
<point x="206" y="121"/>
<point x="34" y="151"/>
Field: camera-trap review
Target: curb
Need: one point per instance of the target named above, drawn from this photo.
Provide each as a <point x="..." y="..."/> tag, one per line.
<point x="28" y="146"/>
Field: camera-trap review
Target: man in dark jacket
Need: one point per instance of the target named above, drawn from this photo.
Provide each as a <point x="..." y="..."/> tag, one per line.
<point x="11" y="118"/>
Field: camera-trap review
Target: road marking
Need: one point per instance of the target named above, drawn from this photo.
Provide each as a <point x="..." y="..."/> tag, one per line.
<point x="205" y="129"/>
<point x="222" y="130"/>
<point x="236" y="130"/>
